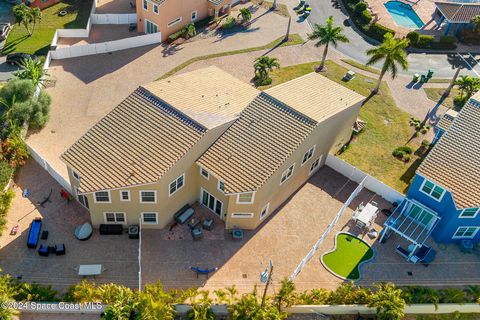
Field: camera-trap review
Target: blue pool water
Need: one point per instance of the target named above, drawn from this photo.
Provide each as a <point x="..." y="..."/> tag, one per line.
<point x="404" y="15"/>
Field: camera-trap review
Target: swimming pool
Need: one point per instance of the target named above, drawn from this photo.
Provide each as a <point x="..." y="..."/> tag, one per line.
<point x="404" y="15"/>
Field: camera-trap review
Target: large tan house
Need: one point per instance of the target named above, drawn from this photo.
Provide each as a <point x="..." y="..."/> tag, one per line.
<point x="206" y="136"/>
<point x="169" y="16"/>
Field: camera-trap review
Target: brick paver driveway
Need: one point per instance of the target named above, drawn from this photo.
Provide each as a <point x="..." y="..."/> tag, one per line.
<point x="285" y="238"/>
<point x="117" y="254"/>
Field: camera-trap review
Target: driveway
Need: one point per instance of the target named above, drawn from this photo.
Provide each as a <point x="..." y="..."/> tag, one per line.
<point x="117" y="254"/>
<point x="6" y="70"/>
<point x="444" y="65"/>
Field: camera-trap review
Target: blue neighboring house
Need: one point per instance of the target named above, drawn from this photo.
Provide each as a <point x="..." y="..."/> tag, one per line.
<point x="456" y="15"/>
<point x="443" y="200"/>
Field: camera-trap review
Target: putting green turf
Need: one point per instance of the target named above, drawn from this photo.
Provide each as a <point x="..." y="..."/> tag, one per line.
<point x="349" y="253"/>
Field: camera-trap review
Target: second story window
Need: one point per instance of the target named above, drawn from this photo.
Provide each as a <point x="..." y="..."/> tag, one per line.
<point x="155" y="8"/>
<point x="148" y="196"/>
<point x="204" y="173"/>
<point x="469" y="213"/>
<point x="76" y="175"/>
<point x="308" y="155"/>
<point x="145" y="4"/>
<point x="124" y="195"/>
<point x="287" y="173"/>
<point x="245" y="198"/>
<point x="194" y="15"/>
<point x="176" y="184"/>
<point x="102" y="196"/>
<point x="221" y="186"/>
<point x="432" y="190"/>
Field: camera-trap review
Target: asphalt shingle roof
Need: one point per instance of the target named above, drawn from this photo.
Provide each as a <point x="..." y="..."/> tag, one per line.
<point x="458" y="12"/>
<point x="454" y="162"/>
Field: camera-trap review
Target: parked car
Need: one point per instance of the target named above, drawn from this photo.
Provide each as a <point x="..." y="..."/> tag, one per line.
<point x="16" y="58"/>
<point x="4" y="30"/>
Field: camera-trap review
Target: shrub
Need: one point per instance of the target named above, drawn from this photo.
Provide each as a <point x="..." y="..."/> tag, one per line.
<point x="448" y="39"/>
<point x="22" y="90"/>
<point x="228" y="23"/>
<point x="365" y="17"/>
<point x="5" y="203"/>
<point x="424" y="41"/>
<point x="406" y="158"/>
<point x="445" y="43"/>
<point x="6" y="172"/>
<point x="360" y="7"/>
<point x="413" y="37"/>
<point x="398" y="153"/>
<point x="425" y="143"/>
<point x="35" y="292"/>
<point x="405" y="149"/>
<point x="174" y="36"/>
<point x="459" y="101"/>
<point x="378" y="32"/>
<point x="424" y="130"/>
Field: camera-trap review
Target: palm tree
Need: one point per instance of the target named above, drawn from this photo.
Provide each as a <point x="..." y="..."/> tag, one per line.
<point x="32" y="70"/>
<point x="453" y="81"/>
<point x="263" y="65"/>
<point x="388" y="302"/>
<point x="326" y="34"/>
<point x="189" y="31"/>
<point x="246" y="15"/>
<point x="25" y="15"/>
<point x="35" y="16"/>
<point x="468" y="86"/>
<point x="392" y="51"/>
<point x="286" y="294"/>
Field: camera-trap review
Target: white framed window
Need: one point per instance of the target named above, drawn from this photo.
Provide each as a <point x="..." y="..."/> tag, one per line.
<point x="114" y="217"/>
<point x="150" y="217"/>
<point x="76" y="175"/>
<point x="221" y="186"/>
<point x="176" y="185"/>
<point x="432" y="190"/>
<point x="174" y="22"/>
<point x="287" y="174"/>
<point x="308" y="155"/>
<point x="315" y="165"/>
<point x="124" y="195"/>
<point x="205" y="173"/>
<point x="145" y="5"/>
<point x="264" y="211"/>
<point x="465" y="233"/>
<point x="242" y="215"/>
<point x="469" y="213"/>
<point x="194" y="15"/>
<point x="245" y="198"/>
<point x="102" y="197"/>
<point x="155" y="8"/>
<point x="148" y="196"/>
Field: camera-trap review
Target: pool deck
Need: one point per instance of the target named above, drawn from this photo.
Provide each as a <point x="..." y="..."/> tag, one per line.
<point x="423" y="8"/>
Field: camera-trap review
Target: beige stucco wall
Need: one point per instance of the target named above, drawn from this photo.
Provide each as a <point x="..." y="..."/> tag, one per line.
<point x="327" y="137"/>
<point x="169" y="10"/>
<point x="166" y="205"/>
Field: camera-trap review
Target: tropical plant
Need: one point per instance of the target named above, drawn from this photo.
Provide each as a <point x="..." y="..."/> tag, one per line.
<point x="392" y="52"/>
<point x="27" y="16"/>
<point x="263" y="65"/>
<point x="84" y="291"/>
<point x="6" y="296"/>
<point x="189" y="31"/>
<point x="245" y="15"/>
<point x="388" y="302"/>
<point x="14" y="150"/>
<point x="452" y="295"/>
<point x="473" y="292"/>
<point x="286" y="295"/>
<point x="248" y="307"/>
<point x="154" y="303"/>
<point x="327" y="34"/>
<point x="25" y="291"/>
<point x="476" y="22"/>
<point x="453" y="81"/>
<point x="32" y="70"/>
<point x="468" y="86"/>
<point x="201" y="306"/>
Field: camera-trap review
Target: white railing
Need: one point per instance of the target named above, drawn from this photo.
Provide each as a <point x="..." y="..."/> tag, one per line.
<point x="358" y="175"/>
<point x="113" y="18"/>
<point x="104" y="47"/>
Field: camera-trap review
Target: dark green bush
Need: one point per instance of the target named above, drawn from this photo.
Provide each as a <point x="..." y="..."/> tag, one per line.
<point x="6" y="172"/>
<point x="424" y="41"/>
<point x="360" y="7"/>
<point x="445" y="43"/>
<point x="398" y="153"/>
<point x="174" y="36"/>
<point x="378" y="32"/>
<point x="413" y="37"/>
<point x="425" y="143"/>
<point x="228" y="23"/>
<point x="405" y="149"/>
<point x="365" y="17"/>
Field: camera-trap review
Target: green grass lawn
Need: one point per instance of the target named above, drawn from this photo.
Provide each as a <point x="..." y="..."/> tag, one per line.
<point x="387" y="127"/>
<point x="361" y="66"/>
<point x="349" y="253"/>
<point x="435" y="94"/>
<point x="39" y="43"/>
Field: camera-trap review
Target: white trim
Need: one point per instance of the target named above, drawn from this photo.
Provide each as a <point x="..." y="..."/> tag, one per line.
<point x="434" y="185"/>
<point x="286" y="171"/>
<point x="143" y="5"/>
<point x="243" y="215"/>
<point x="311" y="156"/>
<point x="463" y="237"/>
<point x="95" y="197"/>
<point x="221" y="214"/>
<point x="115" y="216"/>
<point x="267" y="209"/>
<point x="196" y="15"/>
<point x="314" y="170"/>
<point x="251" y="201"/>
<point x="176" y="185"/>
<point x="129" y="195"/>
<point x="153" y="9"/>
<point x="143" y="218"/>
<point x="174" y="22"/>
<point x="147" y="202"/>
<point x="218" y="186"/>
<point x="469" y="217"/>
<point x="201" y="173"/>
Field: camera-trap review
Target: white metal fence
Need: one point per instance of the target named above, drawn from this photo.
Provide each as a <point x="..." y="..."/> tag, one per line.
<point x="104" y="47"/>
<point x="317" y="244"/>
<point x="358" y="176"/>
<point x="113" y="18"/>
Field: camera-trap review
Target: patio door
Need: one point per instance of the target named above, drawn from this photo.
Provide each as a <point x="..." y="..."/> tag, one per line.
<point x="150" y="27"/>
<point x="211" y="202"/>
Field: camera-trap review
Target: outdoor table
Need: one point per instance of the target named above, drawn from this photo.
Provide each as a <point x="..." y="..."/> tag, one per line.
<point x="90" y="270"/>
<point x="366" y="215"/>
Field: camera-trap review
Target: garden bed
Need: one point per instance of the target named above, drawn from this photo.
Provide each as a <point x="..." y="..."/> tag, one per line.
<point x="348" y="255"/>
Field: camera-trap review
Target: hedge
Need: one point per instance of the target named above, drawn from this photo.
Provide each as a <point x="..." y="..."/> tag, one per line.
<point x="6" y="173"/>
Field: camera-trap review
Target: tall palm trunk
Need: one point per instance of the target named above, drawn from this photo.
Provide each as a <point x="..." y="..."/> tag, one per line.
<point x="379" y="81"/>
<point x="322" y="64"/>
<point x="452" y="83"/>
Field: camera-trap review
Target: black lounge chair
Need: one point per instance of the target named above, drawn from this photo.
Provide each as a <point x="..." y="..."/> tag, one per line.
<point x="60" y="249"/>
<point x="44" y="250"/>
